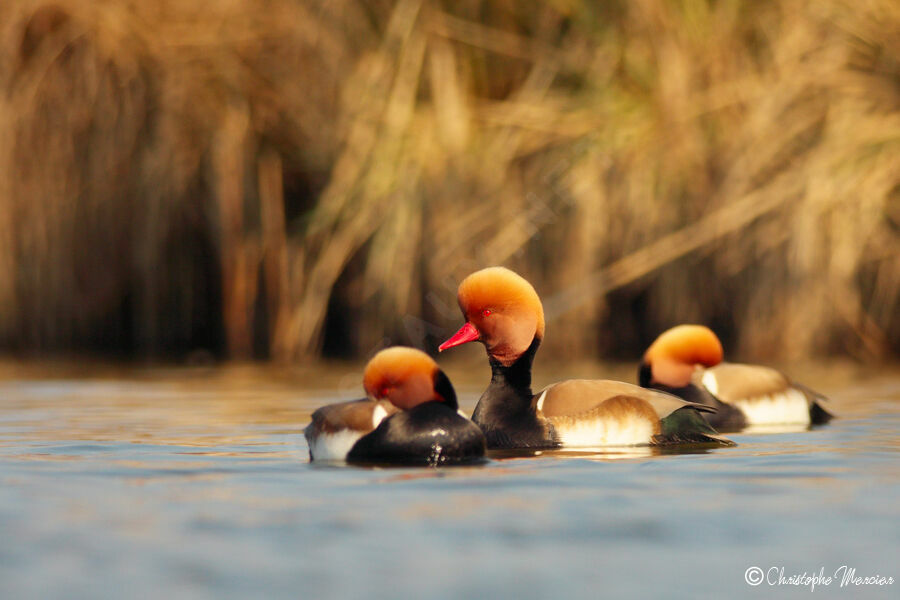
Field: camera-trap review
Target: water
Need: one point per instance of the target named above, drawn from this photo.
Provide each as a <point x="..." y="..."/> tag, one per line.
<point x="195" y="484"/>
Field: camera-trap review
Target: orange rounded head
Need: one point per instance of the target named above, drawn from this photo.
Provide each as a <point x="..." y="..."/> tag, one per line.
<point x="675" y="353"/>
<point x="407" y="377"/>
<point x="502" y="311"/>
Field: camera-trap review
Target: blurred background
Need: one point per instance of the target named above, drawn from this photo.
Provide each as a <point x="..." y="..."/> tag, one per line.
<point x="287" y="181"/>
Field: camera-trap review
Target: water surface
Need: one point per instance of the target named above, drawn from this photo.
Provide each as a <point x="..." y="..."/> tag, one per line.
<point x="194" y="483"/>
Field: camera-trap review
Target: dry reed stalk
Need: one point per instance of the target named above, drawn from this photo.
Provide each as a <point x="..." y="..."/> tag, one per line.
<point x="275" y="250"/>
<point x="643" y="163"/>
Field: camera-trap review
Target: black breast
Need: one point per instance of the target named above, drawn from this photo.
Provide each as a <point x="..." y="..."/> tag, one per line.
<point x="515" y="431"/>
<point x="429" y="434"/>
<point x="508" y="419"/>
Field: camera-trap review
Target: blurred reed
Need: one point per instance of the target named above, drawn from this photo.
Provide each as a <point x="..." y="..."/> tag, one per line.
<point x="287" y="178"/>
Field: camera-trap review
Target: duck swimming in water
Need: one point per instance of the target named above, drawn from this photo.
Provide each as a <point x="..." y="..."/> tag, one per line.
<point x="410" y="417"/>
<point x="503" y="312"/>
<point x="687" y="361"/>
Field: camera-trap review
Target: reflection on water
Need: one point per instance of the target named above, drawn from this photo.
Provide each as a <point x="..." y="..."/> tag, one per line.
<point x="195" y="483"/>
<point x="600" y="453"/>
<point x="778" y="428"/>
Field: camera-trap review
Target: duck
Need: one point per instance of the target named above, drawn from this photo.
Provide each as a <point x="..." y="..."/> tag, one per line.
<point x="503" y="312"/>
<point x="410" y="416"/>
<point x="687" y="361"/>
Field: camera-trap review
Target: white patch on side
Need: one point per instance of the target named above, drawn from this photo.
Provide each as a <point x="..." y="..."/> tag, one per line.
<point x="790" y="406"/>
<point x="595" y="433"/>
<point x="378" y="415"/>
<point x="333" y="446"/>
<point x="540" y="402"/>
<point x="710" y="383"/>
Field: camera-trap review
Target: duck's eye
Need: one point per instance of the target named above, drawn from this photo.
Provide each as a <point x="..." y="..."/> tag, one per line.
<point x="486" y="312"/>
<point x="383" y="390"/>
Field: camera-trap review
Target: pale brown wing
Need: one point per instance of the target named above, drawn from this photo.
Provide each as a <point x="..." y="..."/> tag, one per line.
<point x="731" y="382"/>
<point x="356" y="415"/>
<point x="579" y="396"/>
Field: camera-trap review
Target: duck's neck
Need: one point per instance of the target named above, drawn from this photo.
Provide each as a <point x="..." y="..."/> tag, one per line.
<point x="506" y="412"/>
<point x="509" y="393"/>
<point x="516" y="376"/>
<point x="645" y="375"/>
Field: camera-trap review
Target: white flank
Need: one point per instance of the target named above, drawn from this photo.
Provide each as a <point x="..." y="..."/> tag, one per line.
<point x="540" y="402"/>
<point x="790" y="406"/>
<point x="333" y="446"/>
<point x="710" y="383"/>
<point x="605" y="432"/>
<point x="378" y="416"/>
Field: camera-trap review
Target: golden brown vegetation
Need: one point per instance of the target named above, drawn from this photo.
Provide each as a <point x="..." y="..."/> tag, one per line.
<point x="251" y="175"/>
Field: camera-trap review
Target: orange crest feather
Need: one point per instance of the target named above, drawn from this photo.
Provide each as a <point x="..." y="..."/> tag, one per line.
<point x="392" y="366"/>
<point x="500" y="288"/>
<point x="675" y="352"/>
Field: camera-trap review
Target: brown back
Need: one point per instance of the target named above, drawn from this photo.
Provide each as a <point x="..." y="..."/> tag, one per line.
<point x="355" y="415"/>
<point x="577" y="396"/>
<point x="738" y="381"/>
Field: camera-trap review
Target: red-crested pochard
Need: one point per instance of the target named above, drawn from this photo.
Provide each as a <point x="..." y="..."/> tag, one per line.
<point x="687" y="361"/>
<point x="409" y="417"/>
<point x="503" y="312"/>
